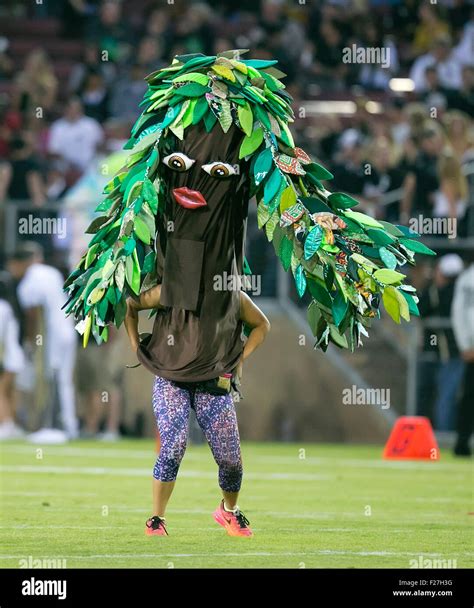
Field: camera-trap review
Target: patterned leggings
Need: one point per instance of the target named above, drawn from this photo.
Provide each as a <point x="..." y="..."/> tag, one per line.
<point x="218" y="421"/>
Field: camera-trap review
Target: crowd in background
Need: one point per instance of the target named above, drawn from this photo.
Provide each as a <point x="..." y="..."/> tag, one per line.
<point x="404" y="145"/>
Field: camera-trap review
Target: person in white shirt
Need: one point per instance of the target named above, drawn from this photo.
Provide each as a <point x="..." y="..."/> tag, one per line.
<point x="40" y="291"/>
<point x="11" y="363"/>
<point x="75" y="138"/>
<point x="447" y="64"/>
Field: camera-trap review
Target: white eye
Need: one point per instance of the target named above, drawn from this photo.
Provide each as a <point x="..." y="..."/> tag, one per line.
<point x="178" y="161"/>
<point x="218" y="169"/>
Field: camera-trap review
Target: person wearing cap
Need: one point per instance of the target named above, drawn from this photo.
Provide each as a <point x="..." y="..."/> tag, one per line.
<point x="441" y="368"/>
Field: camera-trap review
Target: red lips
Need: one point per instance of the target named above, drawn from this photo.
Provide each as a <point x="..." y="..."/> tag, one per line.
<point x="189" y="199"/>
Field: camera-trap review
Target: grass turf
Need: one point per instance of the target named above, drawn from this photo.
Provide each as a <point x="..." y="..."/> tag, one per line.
<point x="310" y="506"/>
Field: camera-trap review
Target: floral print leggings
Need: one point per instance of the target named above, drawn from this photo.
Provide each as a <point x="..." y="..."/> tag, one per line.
<point x="218" y="421"/>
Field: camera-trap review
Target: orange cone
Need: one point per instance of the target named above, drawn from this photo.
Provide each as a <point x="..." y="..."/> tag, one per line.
<point x="412" y="438"/>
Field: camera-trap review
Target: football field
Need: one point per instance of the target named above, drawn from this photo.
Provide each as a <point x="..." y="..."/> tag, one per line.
<point x="85" y="504"/>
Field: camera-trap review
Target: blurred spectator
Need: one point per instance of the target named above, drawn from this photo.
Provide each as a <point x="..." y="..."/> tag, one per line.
<point x="22" y="178"/>
<point x="11" y="362"/>
<point x="462" y="315"/>
<point x="440" y="368"/>
<point x="149" y="55"/>
<point x="36" y="85"/>
<point x="91" y="61"/>
<point x="195" y="29"/>
<point x="463" y="98"/>
<point x="450" y="200"/>
<point x="430" y="26"/>
<point x="98" y="378"/>
<point x="7" y="66"/>
<point x="95" y="97"/>
<point x="41" y="296"/>
<point x="109" y="31"/>
<point x="385" y="176"/>
<point x="127" y="95"/>
<point x="75" y="138"/>
<point x="422" y="180"/>
<point x="441" y="56"/>
<point x="373" y="76"/>
<point x="460" y="132"/>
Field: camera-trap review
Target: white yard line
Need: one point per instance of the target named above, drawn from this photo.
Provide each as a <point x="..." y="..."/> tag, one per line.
<point x="85" y="452"/>
<point x="139" y="472"/>
<point x="244" y="554"/>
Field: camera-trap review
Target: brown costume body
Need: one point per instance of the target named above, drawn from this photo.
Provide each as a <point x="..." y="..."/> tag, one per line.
<point x="198" y="335"/>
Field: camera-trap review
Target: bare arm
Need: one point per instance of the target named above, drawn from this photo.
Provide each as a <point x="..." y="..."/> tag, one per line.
<point x="147" y="300"/>
<point x="251" y="314"/>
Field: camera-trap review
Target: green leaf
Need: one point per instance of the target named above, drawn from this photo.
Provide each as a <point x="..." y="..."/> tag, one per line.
<point x="380" y="237"/>
<point x="200" y="109"/>
<point x="286" y="249"/>
<point x="262" y="166"/>
<point x="340" y="200"/>
<point x="337" y="338"/>
<point x="339" y="308"/>
<point x="288" y="198"/>
<point x="388" y="277"/>
<point x="416" y="246"/>
<point x="193" y="77"/>
<point x="319" y="293"/>
<point x="318" y="171"/>
<point x="412" y="306"/>
<point x="192" y="90"/>
<point x="251" y="143"/>
<point x="263" y="214"/>
<point x="245" y="118"/>
<point x="272" y="186"/>
<point x="300" y="280"/>
<point x="313" y="315"/>
<point x="390" y="301"/>
<point x="313" y="241"/>
<point x="271" y="225"/>
<point x="363" y="219"/>
<point x="388" y="258"/>
<point x="209" y="121"/>
<point x="141" y="230"/>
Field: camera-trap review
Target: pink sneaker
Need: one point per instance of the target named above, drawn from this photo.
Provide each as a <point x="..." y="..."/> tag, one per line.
<point x="236" y="523"/>
<point x="155" y="526"/>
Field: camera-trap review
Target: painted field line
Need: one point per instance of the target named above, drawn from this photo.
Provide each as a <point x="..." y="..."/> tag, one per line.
<point x="244" y="554"/>
<point x="85" y="452"/>
<point x="139" y="472"/>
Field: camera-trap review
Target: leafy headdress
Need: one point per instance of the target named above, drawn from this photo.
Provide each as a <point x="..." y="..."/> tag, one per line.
<point x="346" y="260"/>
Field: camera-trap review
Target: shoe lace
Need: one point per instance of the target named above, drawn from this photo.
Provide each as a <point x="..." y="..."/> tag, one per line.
<point x="242" y="520"/>
<point x="155" y="522"/>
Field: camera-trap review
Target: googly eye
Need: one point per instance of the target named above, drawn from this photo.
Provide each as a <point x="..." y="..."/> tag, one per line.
<point x="178" y="161"/>
<point x="218" y="169"/>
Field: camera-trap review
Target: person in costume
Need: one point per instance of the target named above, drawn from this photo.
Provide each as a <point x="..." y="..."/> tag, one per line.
<point x="214" y="134"/>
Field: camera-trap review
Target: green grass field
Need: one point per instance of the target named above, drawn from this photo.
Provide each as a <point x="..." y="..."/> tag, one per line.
<point x="339" y="507"/>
